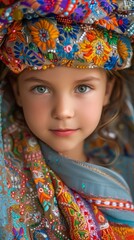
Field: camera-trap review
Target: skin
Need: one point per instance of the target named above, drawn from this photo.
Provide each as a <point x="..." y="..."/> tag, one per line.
<point x="60" y="99"/>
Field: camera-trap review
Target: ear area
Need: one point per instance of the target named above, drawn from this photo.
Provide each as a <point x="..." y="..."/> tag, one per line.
<point x="15" y="88"/>
<point x="109" y="89"/>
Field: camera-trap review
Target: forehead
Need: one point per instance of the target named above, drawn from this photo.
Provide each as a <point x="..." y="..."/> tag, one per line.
<point x="63" y="73"/>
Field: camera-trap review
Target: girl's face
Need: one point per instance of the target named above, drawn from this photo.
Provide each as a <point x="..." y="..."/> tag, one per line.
<point x="62" y="106"/>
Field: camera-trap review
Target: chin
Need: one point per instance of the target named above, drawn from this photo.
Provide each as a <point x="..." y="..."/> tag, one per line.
<point x="61" y="148"/>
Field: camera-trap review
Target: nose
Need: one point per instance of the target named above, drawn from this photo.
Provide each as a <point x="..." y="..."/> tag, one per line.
<point x="63" y="108"/>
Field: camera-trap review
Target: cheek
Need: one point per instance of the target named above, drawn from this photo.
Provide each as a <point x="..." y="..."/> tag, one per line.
<point x="35" y="111"/>
<point x="92" y="113"/>
<point x="90" y="110"/>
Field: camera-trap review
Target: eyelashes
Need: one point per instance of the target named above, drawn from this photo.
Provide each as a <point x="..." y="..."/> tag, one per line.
<point x="41" y="90"/>
<point x="82" y="89"/>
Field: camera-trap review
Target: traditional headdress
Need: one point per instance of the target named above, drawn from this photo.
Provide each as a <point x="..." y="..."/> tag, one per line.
<point x="39" y="34"/>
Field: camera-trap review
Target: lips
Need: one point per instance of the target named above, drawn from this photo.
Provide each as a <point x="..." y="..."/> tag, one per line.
<point x="63" y="132"/>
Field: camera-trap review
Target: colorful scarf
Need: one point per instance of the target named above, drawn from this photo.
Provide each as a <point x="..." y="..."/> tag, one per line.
<point x="46" y="196"/>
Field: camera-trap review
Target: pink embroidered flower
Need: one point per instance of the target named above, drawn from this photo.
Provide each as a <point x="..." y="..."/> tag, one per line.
<point x="68" y="48"/>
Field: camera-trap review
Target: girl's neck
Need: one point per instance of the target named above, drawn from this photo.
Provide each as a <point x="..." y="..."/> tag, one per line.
<point x="75" y="153"/>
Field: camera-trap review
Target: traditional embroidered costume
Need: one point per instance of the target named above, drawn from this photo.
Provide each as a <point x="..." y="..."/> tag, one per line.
<point x="44" y="195"/>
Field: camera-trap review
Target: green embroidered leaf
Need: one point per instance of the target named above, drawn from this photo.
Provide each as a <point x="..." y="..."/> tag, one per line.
<point x="82" y="234"/>
<point x="76" y="223"/>
<point x="111" y="37"/>
<point x="50" y="56"/>
<point x="36" y="164"/>
<point x="80" y="60"/>
<point x="72" y="211"/>
<point x="32" y="46"/>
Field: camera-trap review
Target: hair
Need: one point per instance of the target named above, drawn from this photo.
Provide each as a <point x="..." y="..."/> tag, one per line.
<point x="114" y="108"/>
<point x="110" y="117"/>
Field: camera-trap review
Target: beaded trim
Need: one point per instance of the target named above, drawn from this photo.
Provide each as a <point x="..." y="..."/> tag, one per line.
<point x="116" y="204"/>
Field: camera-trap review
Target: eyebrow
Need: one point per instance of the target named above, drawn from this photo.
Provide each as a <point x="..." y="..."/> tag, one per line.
<point x="86" y="79"/>
<point x="34" y="79"/>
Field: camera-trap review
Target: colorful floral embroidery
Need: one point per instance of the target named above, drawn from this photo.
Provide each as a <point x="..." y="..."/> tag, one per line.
<point x="66" y="50"/>
<point x="34" y="4"/>
<point x="15" y="32"/>
<point x="25" y="54"/>
<point x="40" y="234"/>
<point x="96" y="11"/>
<point x="68" y="30"/>
<point x="95" y="49"/>
<point x="31" y="16"/>
<point x="44" y="34"/>
<point x="56" y="32"/>
<point x="122" y="232"/>
<point x="123" y="50"/>
<point x="92" y="4"/>
<point x="111" y="63"/>
<point x="123" y="23"/>
<point x="107" y="6"/>
<point x="111" y="37"/>
<point x="80" y="12"/>
<point x="110" y="23"/>
<point x="18" y="234"/>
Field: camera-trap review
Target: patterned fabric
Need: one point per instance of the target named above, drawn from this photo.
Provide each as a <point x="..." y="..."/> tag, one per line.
<point x="42" y="199"/>
<point x="76" y="33"/>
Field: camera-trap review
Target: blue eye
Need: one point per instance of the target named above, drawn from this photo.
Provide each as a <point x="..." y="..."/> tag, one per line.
<point x="83" y="89"/>
<point x="41" y="89"/>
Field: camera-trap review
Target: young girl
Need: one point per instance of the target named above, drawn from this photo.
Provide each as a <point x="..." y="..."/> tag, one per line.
<point x="51" y="187"/>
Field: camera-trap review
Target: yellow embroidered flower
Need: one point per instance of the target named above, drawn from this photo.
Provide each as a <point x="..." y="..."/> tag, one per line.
<point x="96" y="51"/>
<point x="44" y="34"/>
<point x="122" y="49"/>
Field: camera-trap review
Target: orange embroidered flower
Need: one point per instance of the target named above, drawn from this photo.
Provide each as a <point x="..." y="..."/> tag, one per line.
<point x="126" y="232"/>
<point x="43" y="196"/>
<point x="94" y="34"/>
<point x="91" y="36"/>
<point x="44" y="34"/>
<point x="110" y="23"/>
<point x="34" y="4"/>
<point x="122" y="49"/>
<point x="15" y="31"/>
<point x="96" y="51"/>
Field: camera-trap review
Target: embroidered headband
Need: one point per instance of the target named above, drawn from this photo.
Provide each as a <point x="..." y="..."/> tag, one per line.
<point x="39" y="34"/>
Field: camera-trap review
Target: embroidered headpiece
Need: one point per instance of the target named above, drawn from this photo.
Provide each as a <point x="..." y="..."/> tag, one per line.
<point x="39" y="34"/>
